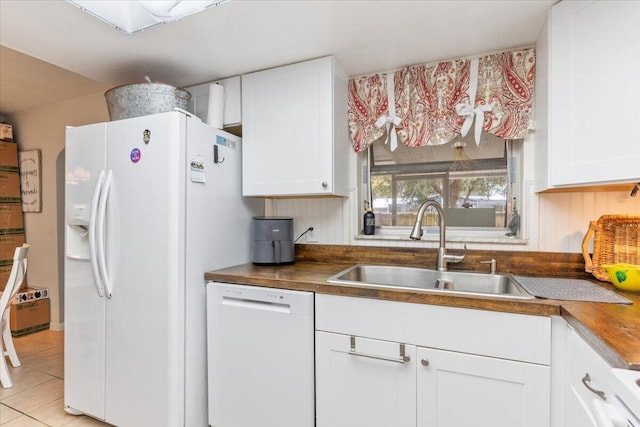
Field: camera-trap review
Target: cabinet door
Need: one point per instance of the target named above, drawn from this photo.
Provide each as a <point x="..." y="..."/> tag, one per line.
<point x="578" y="412"/>
<point x="587" y="381"/>
<point x="594" y="88"/>
<point x="457" y="389"/>
<point x="371" y="389"/>
<point x="288" y="130"/>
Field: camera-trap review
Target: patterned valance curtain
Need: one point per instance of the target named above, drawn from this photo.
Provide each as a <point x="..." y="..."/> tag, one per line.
<point x="431" y="104"/>
<point x="368" y="101"/>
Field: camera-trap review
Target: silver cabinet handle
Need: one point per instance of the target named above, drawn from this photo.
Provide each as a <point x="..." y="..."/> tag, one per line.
<point x="586" y="380"/>
<point x="425" y="362"/>
<point x="403" y="358"/>
<point x="325" y="184"/>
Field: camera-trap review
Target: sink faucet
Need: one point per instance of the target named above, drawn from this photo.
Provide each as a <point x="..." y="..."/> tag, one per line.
<point x="416" y="234"/>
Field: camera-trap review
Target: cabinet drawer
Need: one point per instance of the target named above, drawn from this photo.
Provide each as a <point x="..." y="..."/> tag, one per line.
<point x="511" y="336"/>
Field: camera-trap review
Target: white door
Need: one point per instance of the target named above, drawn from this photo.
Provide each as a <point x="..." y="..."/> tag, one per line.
<point x="84" y="346"/>
<point x="288" y="129"/>
<point x="374" y="387"/>
<point x="587" y="379"/>
<point x="145" y="314"/>
<point x="593" y="91"/>
<point x="578" y="413"/>
<point x="457" y="389"/>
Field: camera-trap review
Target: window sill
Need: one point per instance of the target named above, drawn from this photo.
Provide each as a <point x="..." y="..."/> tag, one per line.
<point x="453" y="235"/>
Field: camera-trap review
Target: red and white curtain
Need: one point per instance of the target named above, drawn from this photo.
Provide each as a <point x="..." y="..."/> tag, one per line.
<point x="368" y="101"/>
<point x="431" y="104"/>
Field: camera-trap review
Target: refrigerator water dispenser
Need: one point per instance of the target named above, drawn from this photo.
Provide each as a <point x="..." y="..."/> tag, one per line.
<point x="77" y="231"/>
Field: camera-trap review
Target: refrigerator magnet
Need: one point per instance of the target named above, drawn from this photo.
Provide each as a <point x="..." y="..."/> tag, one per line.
<point x="135" y="155"/>
<point x="197" y="169"/>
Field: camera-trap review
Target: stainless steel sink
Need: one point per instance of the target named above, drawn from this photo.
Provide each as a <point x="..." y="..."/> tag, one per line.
<point x="453" y="282"/>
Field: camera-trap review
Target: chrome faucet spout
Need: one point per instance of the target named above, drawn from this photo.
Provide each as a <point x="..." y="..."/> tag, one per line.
<point x="416" y="234"/>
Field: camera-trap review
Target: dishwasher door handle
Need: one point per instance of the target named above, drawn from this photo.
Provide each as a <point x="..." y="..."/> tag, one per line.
<point x="256" y="304"/>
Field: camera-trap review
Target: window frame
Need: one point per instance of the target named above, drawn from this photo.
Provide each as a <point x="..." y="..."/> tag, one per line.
<point x="513" y="158"/>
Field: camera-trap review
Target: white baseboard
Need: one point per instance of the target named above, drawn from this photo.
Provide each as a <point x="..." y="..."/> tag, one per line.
<point x="56" y="326"/>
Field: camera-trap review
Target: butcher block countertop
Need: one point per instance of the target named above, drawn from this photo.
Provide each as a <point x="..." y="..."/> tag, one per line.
<point x="612" y="329"/>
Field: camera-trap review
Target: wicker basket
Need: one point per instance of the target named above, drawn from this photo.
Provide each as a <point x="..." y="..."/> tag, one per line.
<point x="616" y="239"/>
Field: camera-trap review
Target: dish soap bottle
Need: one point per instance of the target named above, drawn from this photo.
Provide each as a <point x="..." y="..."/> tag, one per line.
<point x="514" y="224"/>
<point x="369" y="220"/>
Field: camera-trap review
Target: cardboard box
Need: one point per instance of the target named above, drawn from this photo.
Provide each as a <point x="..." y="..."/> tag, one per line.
<point x="9" y="154"/>
<point x="28" y="317"/>
<point x="11" y="220"/>
<point x="8" y="245"/>
<point x="5" y="272"/>
<point x="10" y="186"/>
<point x="6" y="132"/>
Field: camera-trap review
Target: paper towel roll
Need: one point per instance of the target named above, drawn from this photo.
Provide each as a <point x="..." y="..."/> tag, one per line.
<point x="215" y="113"/>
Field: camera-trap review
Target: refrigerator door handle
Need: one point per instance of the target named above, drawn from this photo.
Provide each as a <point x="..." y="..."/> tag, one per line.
<point x="93" y="249"/>
<point x="101" y="231"/>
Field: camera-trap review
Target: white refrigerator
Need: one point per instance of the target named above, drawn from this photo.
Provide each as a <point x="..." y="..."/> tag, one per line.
<point x="148" y="212"/>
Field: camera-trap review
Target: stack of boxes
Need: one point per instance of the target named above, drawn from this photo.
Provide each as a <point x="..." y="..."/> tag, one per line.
<point x="11" y="222"/>
<point x="30" y="314"/>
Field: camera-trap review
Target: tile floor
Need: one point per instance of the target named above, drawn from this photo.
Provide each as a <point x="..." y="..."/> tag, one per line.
<point x="36" y="398"/>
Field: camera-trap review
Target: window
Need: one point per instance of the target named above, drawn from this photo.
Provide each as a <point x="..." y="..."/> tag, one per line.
<point x="473" y="183"/>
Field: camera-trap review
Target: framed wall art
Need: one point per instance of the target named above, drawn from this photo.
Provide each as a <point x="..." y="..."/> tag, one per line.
<point x="30" y="180"/>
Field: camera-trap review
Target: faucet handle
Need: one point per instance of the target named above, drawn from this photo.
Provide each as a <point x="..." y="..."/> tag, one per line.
<point x="456" y="258"/>
<point x="493" y="265"/>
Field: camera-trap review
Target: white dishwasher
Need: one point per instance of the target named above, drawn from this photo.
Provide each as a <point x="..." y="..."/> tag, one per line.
<point x="260" y="344"/>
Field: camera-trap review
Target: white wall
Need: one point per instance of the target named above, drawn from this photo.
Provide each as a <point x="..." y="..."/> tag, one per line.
<point x="43" y="128"/>
<point x="564" y="217"/>
<point x="561" y="223"/>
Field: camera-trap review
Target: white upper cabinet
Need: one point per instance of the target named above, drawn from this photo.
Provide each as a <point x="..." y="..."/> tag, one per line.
<point x="587" y="92"/>
<point x="199" y="104"/>
<point x="295" y="130"/>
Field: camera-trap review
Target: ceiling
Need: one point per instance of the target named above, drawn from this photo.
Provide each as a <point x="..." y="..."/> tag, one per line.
<point x="51" y="51"/>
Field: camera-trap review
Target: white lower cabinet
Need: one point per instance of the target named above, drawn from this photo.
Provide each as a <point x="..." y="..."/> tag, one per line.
<point x="370" y="386"/>
<point x="587" y="382"/>
<point x="456" y="389"/>
<point x="393" y="364"/>
<point x="578" y="412"/>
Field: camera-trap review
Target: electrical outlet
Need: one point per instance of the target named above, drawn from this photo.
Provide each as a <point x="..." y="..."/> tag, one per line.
<point x="311" y="236"/>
